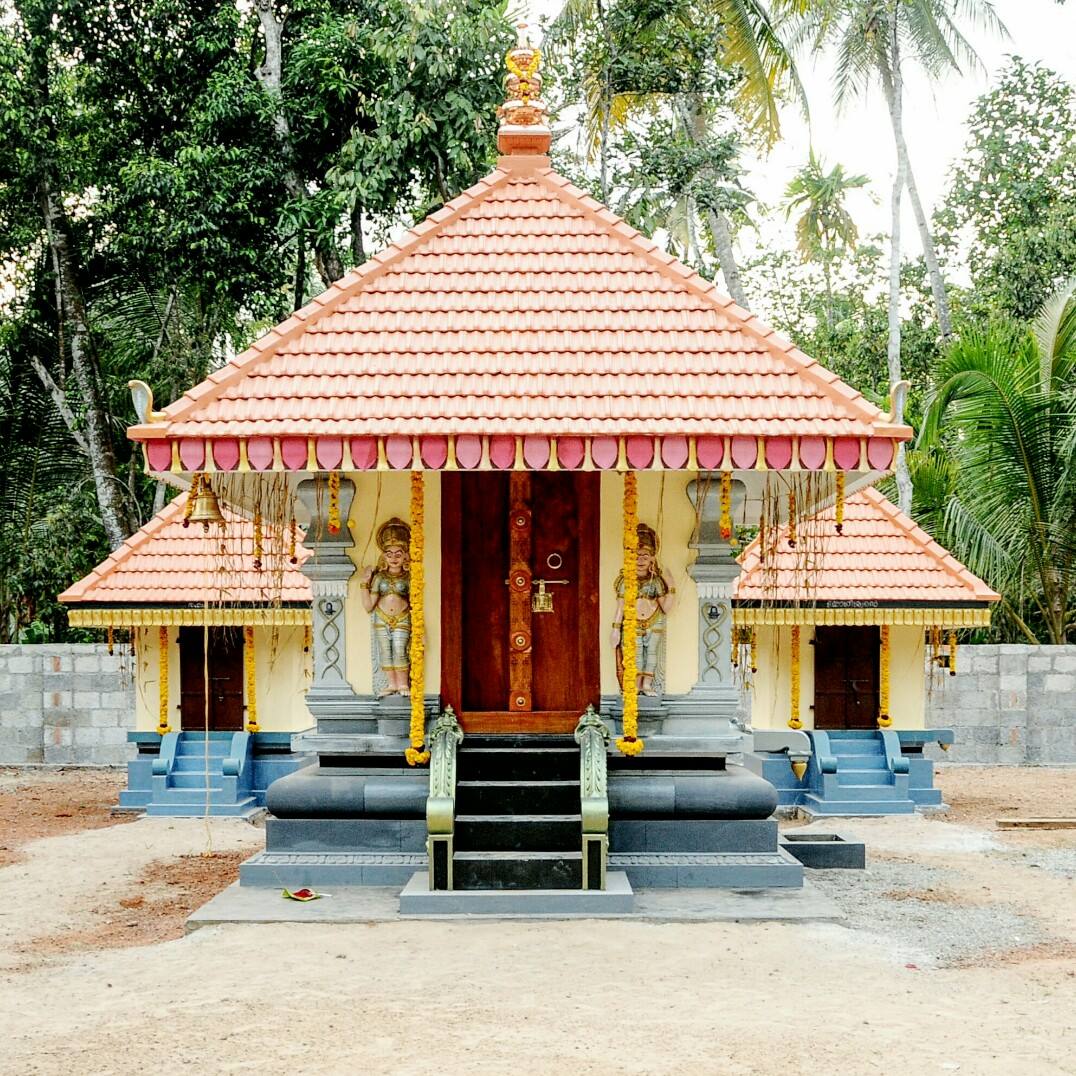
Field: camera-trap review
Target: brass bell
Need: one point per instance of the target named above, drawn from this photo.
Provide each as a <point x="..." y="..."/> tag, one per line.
<point x="206" y="509"/>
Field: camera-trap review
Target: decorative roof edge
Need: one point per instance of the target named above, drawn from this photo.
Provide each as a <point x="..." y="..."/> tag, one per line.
<point x="927" y="616"/>
<point x="177" y="616"/>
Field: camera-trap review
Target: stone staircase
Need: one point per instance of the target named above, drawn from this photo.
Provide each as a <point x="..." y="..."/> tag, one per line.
<point x="518" y="823"/>
<point x="856" y="772"/>
<point x="182" y="776"/>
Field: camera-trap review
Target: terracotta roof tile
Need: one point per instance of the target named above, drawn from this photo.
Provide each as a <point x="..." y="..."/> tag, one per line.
<point x="168" y="564"/>
<point x="882" y="556"/>
<point x="522" y="306"/>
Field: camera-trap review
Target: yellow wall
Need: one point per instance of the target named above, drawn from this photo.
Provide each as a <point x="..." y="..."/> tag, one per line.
<point x="380" y="495"/>
<point x="772" y="692"/>
<point x="664" y="505"/>
<point x="281" y="672"/>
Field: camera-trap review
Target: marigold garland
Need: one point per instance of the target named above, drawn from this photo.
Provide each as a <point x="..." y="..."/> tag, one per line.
<point x="794" y="720"/>
<point x="952" y="653"/>
<point x="734" y="649"/>
<point x="415" y="754"/>
<point x="111" y="640"/>
<point x="292" y="542"/>
<point x="839" y="509"/>
<point x="524" y="74"/>
<point x="884" y="719"/>
<point x="754" y="650"/>
<point x="334" y="502"/>
<point x="629" y="743"/>
<point x="258" y="539"/>
<point x="791" y="519"/>
<point x="248" y="670"/>
<point x="726" y="505"/>
<point x="162" y="681"/>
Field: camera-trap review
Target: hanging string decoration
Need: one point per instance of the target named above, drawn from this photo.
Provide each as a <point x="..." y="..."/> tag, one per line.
<point x="248" y="670"/>
<point x="162" y="682"/>
<point x="416" y="754"/>
<point x="838" y="510"/>
<point x="725" y="522"/>
<point x="334" y="502"/>
<point x="794" y="720"/>
<point x="884" y="718"/>
<point x="952" y="653"/>
<point x="629" y="743"/>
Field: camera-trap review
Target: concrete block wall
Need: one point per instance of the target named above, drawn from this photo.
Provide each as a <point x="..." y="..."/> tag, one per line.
<point x="1009" y="704"/>
<point x="67" y="704"/>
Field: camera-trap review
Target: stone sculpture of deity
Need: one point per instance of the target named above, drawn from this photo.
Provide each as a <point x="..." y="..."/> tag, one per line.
<point x="657" y="595"/>
<point x="386" y="596"/>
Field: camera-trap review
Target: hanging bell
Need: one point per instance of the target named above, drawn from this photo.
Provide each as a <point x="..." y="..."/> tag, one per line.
<point x="206" y="510"/>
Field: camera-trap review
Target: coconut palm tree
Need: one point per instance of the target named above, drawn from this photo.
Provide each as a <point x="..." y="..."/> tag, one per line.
<point x="1004" y="410"/>
<point x="825" y="228"/>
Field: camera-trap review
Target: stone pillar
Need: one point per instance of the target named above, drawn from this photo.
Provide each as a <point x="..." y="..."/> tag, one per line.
<point x="329" y="568"/>
<point x="708" y="711"/>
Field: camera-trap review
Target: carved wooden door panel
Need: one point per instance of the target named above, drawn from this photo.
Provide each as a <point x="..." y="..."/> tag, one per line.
<point x="225" y="680"/>
<point x="846" y="677"/>
<point x="513" y="660"/>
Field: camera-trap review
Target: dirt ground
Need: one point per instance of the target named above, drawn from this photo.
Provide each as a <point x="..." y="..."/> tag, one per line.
<point x="958" y="955"/>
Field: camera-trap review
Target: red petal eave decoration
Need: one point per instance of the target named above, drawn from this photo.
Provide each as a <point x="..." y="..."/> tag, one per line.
<point x="293" y="453"/>
<point x="880" y="453"/>
<point x="709" y="451"/>
<point x="744" y="452"/>
<point x="468" y="451"/>
<point x="364" y="453"/>
<point x="812" y="453"/>
<point x="192" y="453"/>
<point x="502" y="452"/>
<point x="674" y="452"/>
<point x="226" y="454"/>
<point x="640" y="452"/>
<point x="398" y="451"/>
<point x="536" y="452"/>
<point x="603" y="451"/>
<point x="329" y="452"/>
<point x="260" y="453"/>
<point x="434" y="451"/>
<point x="846" y="453"/>
<point x="778" y="452"/>
<point x="159" y="454"/>
<point x="571" y="451"/>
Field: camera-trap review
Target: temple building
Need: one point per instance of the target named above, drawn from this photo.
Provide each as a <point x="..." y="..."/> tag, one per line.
<point x="522" y="442"/>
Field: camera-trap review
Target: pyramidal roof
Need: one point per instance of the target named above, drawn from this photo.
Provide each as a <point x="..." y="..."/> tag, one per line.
<point x="523" y="308"/>
<point x="882" y="558"/>
<point x="169" y="566"/>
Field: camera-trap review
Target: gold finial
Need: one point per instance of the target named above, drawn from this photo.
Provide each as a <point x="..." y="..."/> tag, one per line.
<point x="523" y="127"/>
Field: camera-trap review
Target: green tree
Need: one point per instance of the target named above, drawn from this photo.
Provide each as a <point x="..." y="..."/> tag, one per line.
<point x="1010" y="208"/>
<point x="1004" y="411"/>
<point x="825" y="229"/>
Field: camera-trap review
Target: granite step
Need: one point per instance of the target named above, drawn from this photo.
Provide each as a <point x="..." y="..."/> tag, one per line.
<point x="863" y="777"/>
<point x="519" y="833"/>
<point x="517" y="764"/>
<point x="518" y="870"/>
<point x="517" y="797"/>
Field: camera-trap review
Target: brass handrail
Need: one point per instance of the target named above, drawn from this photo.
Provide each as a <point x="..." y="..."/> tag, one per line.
<point x="444" y="738"/>
<point x="592" y="735"/>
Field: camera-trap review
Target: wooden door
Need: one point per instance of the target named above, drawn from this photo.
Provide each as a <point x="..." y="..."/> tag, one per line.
<point x="846" y="678"/>
<point x="225" y="680"/>
<point x="506" y="667"/>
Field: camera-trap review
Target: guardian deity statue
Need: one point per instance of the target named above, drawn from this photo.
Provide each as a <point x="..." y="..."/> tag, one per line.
<point x="386" y="596"/>
<point x="657" y="595"/>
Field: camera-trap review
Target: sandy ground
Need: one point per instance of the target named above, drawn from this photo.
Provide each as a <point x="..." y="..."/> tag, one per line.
<point x="959" y="955"/>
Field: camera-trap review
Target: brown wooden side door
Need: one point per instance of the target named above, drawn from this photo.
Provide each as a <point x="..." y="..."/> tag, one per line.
<point x="225" y="680"/>
<point x="846" y="677"/>
<point x="505" y="666"/>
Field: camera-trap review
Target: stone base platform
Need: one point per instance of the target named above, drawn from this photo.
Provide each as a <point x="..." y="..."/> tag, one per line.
<point x="377" y="904"/>
<point x="616" y="899"/>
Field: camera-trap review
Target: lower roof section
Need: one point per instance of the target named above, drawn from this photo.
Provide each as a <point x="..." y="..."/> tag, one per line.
<point x="938" y="616"/>
<point x="213" y="616"/>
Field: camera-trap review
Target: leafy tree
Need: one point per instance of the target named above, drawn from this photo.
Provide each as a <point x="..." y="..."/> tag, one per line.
<point x="1004" y="411"/>
<point x="1010" y="209"/>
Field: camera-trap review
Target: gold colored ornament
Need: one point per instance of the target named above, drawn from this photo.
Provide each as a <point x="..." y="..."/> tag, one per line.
<point x="248" y="670"/>
<point x="258" y="539"/>
<point x="726" y="505"/>
<point x="162" y="682"/>
<point x="791" y="519"/>
<point x="952" y="653"/>
<point x="416" y="755"/>
<point x="839" y="509"/>
<point x="629" y="743"/>
<point x="292" y="542"/>
<point x="794" y="720"/>
<point x="884" y="718"/>
<point x="334" y="502"/>
<point x="754" y="651"/>
<point x="737" y="642"/>
<point x="192" y="496"/>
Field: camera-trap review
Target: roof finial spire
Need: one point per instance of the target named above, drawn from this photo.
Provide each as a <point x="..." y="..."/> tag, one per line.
<point x="523" y="129"/>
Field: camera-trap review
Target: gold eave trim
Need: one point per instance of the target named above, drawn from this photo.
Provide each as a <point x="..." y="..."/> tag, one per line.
<point x="939" y="616"/>
<point x="219" y="617"/>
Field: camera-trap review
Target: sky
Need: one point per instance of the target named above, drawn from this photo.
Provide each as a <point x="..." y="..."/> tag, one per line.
<point x="861" y="139"/>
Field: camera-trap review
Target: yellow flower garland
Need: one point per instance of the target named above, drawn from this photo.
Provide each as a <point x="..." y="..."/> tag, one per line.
<point x="754" y="650"/>
<point x="794" y="721"/>
<point x="839" y="509"/>
<point x="258" y="538"/>
<point x="726" y="505"/>
<point x="952" y="653"/>
<point x="162" y="684"/>
<point x="248" y="669"/>
<point x="334" y="502"/>
<point x="791" y="519"/>
<point x="884" y="719"/>
<point x="629" y="743"/>
<point x="415" y="754"/>
<point x="292" y="542"/>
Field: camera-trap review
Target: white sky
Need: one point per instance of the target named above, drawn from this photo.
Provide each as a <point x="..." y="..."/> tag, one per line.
<point x="934" y="119"/>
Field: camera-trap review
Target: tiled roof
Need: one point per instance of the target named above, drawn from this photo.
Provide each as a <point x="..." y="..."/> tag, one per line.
<point x="522" y="307"/>
<point x="167" y="564"/>
<point x="881" y="556"/>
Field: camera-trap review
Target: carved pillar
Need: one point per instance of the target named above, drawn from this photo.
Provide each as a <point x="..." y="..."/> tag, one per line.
<point x="329" y="568"/>
<point x="709" y="709"/>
